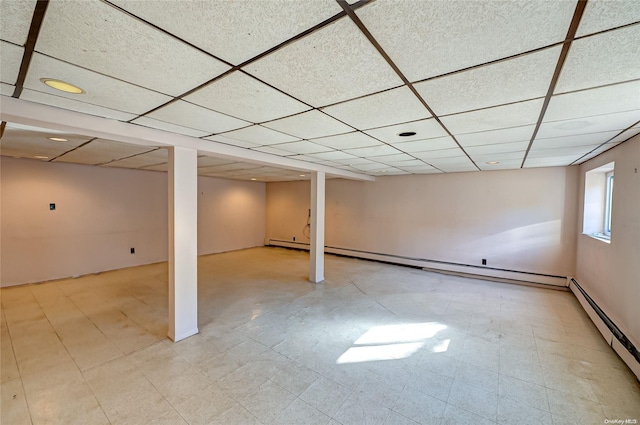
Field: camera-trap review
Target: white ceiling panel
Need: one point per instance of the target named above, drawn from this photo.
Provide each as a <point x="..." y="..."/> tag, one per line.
<point x="428" y="156"/>
<point x="602" y="15"/>
<point x="503" y="165"/>
<point x="492" y="85"/>
<point x="503" y="135"/>
<point x="100" y="90"/>
<point x="397" y="157"/>
<point x="244" y="97"/>
<point x="273" y="150"/>
<point x="594" y="124"/>
<point x="499" y="156"/>
<point x="626" y="135"/>
<point x="309" y="125"/>
<point x="74" y="105"/>
<point x="172" y="128"/>
<point x="426" y="145"/>
<point x="576" y="151"/>
<point x="351" y="160"/>
<point x="208" y="161"/>
<point x="10" y="63"/>
<point x="158" y="156"/>
<point x="302" y="147"/>
<point x="373" y="151"/>
<point x="22" y="143"/>
<point x="373" y="166"/>
<point x="601" y="59"/>
<point x="101" y="151"/>
<point x="330" y="65"/>
<point x="424" y="129"/>
<point x="603" y="100"/>
<point x="402" y="164"/>
<point x="229" y="141"/>
<point x="420" y="169"/>
<point x="330" y="156"/>
<point x="193" y="116"/>
<point x="498" y="148"/>
<point x="96" y="36"/>
<point x="348" y="141"/>
<point x="460" y="34"/>
<point x="156" y="167"/>
<point x="241" y="32"/>
<point x="386" y="108"/>
<point x="15" y="20"/>
<point x="6" y="89"/>
<point x="569" y="141"/>
<point x="514" y="115"/>
<point x="561" y="161"/>
<point x="234" y="166"/>
<point x="259" y="135"/>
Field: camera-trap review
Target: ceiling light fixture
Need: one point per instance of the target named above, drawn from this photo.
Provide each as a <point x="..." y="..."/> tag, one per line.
<point x="41" y="157"/>
<point x="58" y="139"/>
<point x="253" y="178"/>
<point x="493" y="162"/>
<point x="407" y="134"/>
<point x="303" y="175"/>
<point x="62" y="86"/>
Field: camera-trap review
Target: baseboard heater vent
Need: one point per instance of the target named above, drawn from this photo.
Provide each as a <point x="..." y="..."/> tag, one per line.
<point x="615" y="330"/>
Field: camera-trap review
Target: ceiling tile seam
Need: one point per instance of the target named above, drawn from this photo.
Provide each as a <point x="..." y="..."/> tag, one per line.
<point x="162" y="30"/>
<point x="80" y="101"/>
<point x="598" y="87"/>
<point x="221" y="133"/>
<point x="610" y="139"/>
<point x="29" y="47"/>
<point x="71" y="150"/>
<point x="492" y="106"/>
<point x="127" y="157"/>
<point x="356" y="20"/>
<point x="573" y="28"/>
<point x="3" y="125"/>
<point x="607" y="30"/>
<point x="493" y="62"/>
<point x="142" y="167"/>
<point x="251" y="60"/>
<point x="361" y="97"/>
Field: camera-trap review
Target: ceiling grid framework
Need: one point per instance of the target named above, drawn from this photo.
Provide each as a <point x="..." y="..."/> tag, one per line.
<point x="484" y="85"/>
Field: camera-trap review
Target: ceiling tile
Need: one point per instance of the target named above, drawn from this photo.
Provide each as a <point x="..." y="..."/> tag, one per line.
<point x="602" y="15"/>
<point x="561" y="161"/>
<point x="330" y="156"/>
<point x="309" y="125"/>
<point x="172" y="128"/>
<point x="273" y="151"/>
<point x="348" y="141"/>
<point x="514" y="115"/>
<point x="626" y="135"/>
<point x="601" y="59"/>
<point x="351" y="160"/>
<point x="74" y="105"/>
<point x="409" y="163"/>
<point x="603" y="100"/>
<point x="241" y="31"/>
<point x="498" y="148"/>
<point x="21" y="143"/>
<point x="373" y="166"/>
<point x="428" y="156"/>
<point x="259" y="135"/>
<point x="193" y="116"/>
<point x="235" y="166"/>
<point x="229" y="141"/>
<point x="462" y="34"/>
<point x="426" y="145"/>
<point x="208" y="161"/>
<point x="424" y="129"/>
<point x="503" y="165"/>
<point x="386" y="108"/>
<point x="422" y="169"/>
<point x="6" y="89"/>
<point x="373" y="151"/>
<point x="593" y="124"/>
<point x="157" y="167"/>
<point x="397" y="157"/>
<point x="568" y="141"/>
<point x="101" y="151"/>
<point x="97" y="36"/>
<point x="492" y="85"/>
<point x="15" y="20"/>
<point x="576" y="151"/>
<point x="158" y="156"/>
<point x="499" y="156"/>
<point x="10" y="63"/>
<point x="503" y="135"/>
<point x="100" y="90"/>
<point x="332" y="64"/>
<point x="302" y="147"/>
<point x="242" y="96"/>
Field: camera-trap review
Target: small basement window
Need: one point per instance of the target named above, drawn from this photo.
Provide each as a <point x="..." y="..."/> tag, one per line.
<point x="598" y="202"/>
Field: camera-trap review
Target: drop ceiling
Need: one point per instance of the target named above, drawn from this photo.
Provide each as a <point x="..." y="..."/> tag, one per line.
<point x="520" y="83"/>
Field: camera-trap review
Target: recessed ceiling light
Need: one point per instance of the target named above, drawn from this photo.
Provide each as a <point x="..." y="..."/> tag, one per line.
<point x="253" y="178"/>
<point x="493" y="162"/>
<point x="58" y="139"/>
<point x="407" y="134"/>
<point x="62" y="86"/>
<point x="41" y="157"/>
<point x="303" y="175"/>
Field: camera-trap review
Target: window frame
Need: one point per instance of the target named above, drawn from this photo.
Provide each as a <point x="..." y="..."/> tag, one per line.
<point x="608" y="202"/>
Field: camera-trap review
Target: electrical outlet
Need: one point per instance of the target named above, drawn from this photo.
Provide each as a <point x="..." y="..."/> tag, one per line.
<point x="52" y="207"/>
<point x="133" y="250"/>
<point x="484" y="261"/>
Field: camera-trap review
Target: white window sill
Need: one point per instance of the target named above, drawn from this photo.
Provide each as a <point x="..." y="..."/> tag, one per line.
<point x="599" y="236"/>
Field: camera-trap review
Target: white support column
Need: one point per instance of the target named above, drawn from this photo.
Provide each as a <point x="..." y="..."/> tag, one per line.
<point x="316" y="273"/>
<point x="183" y="243"/>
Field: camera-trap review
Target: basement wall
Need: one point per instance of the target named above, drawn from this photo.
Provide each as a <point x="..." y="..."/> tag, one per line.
<point x="102" y="212"/>
<point x="522" y="220"/>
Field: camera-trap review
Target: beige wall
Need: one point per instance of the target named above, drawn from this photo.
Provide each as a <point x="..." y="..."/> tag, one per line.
<point x="610" y="273"/>
<point x="102" y="212"/>
<point x="522" y="220"/>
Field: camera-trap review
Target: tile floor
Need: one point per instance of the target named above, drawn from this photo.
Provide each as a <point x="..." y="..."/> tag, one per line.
<point x="374" y="344"/>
